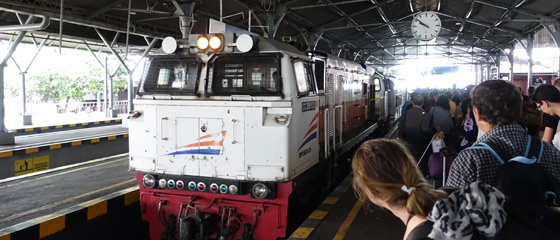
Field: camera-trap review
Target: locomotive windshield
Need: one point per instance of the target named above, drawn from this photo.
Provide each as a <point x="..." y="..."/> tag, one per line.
<point x="171" y="75"/>
<point x="257" y="75"/>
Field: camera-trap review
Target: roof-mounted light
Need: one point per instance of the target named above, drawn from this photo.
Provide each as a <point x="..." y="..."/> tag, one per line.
<point x="244" y="43"/>
<point x="215" y="42"/>
<point x="169" y="45"/>
<point x="211" y="42"/>
<point x="202" y="43"/>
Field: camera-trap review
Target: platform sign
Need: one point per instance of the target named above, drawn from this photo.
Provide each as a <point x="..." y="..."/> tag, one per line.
<point x="29" y="165"/>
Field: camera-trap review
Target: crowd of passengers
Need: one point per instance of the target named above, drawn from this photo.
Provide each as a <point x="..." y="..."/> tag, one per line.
<point x="469" y="206"/>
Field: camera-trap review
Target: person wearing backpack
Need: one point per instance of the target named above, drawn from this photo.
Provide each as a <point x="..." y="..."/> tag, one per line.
<point x="497" y="107"/>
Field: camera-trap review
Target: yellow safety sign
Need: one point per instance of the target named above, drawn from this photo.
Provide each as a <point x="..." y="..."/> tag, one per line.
<point x="29" y="165"/>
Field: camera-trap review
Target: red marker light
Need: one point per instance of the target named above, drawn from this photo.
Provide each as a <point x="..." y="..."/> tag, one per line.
<point x="214" y="187"/>
<point x="201" y="186"/>
<point x="180" y="184"/>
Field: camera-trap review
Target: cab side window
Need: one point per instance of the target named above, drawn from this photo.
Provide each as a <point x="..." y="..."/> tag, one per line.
<point x="377" y="84"/>
<point x="305" y="79"/>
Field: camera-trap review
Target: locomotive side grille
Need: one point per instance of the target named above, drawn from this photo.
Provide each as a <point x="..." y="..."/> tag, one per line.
<point x="331" y="103"/>
<point x="340" y="102"/>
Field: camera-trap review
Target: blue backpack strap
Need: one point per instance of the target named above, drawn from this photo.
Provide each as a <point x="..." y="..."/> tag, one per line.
<point x="482" y="145"/>
<point x="534" y="149"/>
<point x="533" y="152"/>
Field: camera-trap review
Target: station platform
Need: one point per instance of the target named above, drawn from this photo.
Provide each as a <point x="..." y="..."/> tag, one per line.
<point x="60" y="140"/>
<point x="97" y="199"/>
<point x="61" y="177"/>
<point x="59" y="123"/>
<point x="341" y="216"/>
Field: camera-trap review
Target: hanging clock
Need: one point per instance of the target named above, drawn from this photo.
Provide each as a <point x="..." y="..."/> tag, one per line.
<point x="425" y="26"/>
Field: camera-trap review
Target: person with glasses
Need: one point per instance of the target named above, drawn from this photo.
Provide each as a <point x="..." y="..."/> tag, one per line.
<point x="550" y="122"/>
<point x="547" y="98"/>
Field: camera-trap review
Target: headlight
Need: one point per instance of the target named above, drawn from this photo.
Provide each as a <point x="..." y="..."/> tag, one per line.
<point x="215" y="42"/>
<point x="149" y="181"/>
<point x="202" y="43"/>
<point x="260" y="191"/>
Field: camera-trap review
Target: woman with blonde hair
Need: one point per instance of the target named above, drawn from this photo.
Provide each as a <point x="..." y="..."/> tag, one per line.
<point x="385" y="173"/>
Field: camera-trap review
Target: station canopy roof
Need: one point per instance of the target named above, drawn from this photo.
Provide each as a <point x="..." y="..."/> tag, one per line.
<point x="369" y="31"/>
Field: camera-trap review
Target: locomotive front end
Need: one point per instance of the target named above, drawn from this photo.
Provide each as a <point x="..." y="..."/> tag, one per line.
<point x="209" y="139"/>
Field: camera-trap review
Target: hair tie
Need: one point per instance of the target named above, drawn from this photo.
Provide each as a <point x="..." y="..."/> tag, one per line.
<point x="407" y="189"/>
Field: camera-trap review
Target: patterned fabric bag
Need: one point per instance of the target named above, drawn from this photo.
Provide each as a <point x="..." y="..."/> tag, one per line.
<point x="474" y="210"/>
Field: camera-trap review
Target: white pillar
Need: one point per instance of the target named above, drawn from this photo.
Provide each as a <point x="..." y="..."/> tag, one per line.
<point x="530" y="62"/>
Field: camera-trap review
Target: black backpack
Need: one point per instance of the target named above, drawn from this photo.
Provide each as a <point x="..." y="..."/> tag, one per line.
<point x="529" y="194"/>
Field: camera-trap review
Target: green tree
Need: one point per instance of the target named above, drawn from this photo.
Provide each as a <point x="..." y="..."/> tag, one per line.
<point x="96" y="76"/>
<point x="51" y="86"/>
<point x="54" y="86"/>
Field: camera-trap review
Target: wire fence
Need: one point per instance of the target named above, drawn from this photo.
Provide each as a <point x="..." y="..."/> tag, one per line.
<point x="56" y="113"/>
<point x="37" y="109"/>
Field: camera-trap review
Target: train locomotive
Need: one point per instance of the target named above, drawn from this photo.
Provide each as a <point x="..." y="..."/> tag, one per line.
<point x="231" y="136"/>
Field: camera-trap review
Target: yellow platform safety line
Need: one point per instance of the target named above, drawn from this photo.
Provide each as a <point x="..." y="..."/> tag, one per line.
<point x="44" y="128"/>
<point x="131" y="197"/>
<point x="6" y="154"/>
<point x="97" y="210"/>
<point x="6" y="237"/>
<point x="302" y="232"/>
<point x="348" y="221"/>
<point x="58" y="126"/>
<point x="52" y="226"/>
<point x="318" y="214"/>
<point x="95" y="140"/>
<point x="72" y="125"/>
<point x="55" y="146"/>
<point x="111" y="138"/>
<point x="76" y="143"/>
<point x="29" y="129"/>
<point x="67" y="200"/>
<point x="85" y="124"/>
<point x="31" y="150"/>
<point x="95" y="123"/>
<point x="330" y="200"/>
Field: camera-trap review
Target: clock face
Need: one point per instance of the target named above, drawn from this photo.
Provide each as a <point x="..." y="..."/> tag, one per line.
<point x="425" y="26"/>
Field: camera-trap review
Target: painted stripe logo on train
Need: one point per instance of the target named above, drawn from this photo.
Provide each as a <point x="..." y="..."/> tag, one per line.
<point x="310" y="135"/>
<point x="209" y="144"/>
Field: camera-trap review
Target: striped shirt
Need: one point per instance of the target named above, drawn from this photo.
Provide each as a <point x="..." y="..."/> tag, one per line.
<point x="480" y="165"/>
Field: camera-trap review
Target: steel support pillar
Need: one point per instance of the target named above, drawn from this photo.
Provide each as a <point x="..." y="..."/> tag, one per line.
<point x="27" y="119"/>
<point x="475" y="74"/>
<point x="105" y="87"/>
<point x="482" y="79"/>
<point x="510" y="59"/>
<point x="556" y="36"/>
<point x="7" y="138"/>
<point x="530" y="61"/>
<point x="273" y="22"/>
<point x="498" y="67"/>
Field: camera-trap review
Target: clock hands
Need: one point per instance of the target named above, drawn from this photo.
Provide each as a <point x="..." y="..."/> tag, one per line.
<point x="423" y="24"/>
